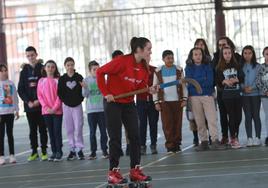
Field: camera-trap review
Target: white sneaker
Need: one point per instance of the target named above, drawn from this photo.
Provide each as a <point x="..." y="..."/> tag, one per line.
<point x="2" y="160"/>
<point x="250" y="142"/>
<point x="12" y="159"/>
<point x="257" y="142"/>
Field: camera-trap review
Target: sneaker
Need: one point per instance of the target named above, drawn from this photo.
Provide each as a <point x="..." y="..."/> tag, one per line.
<point x="58" y="157"/>
<point x="250" y="142"/>
<point x="177" y="149"/>
<point x="203" y="146"/>
<point x="44" y="157"/>
<point x="12" y="159"/>
<point x="127" y="150"/>
<point x="143" y="150"/>
<point x="196" y="139"/>
<point x="92" y="156"/>
<point x="256" y="142"/>
<point x="209" y="140"/>
<point x="216" y="145"/>
<point x="153" y="149"/>
<point x="266" y="141"/>
<point x="171" y="150"/>
<point x="81" y="155"/>
<point x="115" y="177"/>
<point x="195" y="142"/>
<point x="235" y="143"/>
<point x="105" y="155"/>
<point x="52" y="157"/>
<point x="136" y="175"/>
<point x="224" y="141"/>
<point x="2" y="160"/>
<point x="71" y="156"/>
<point x="33" y="157"/>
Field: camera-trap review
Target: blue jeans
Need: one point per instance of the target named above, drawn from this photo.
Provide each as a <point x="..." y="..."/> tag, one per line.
<point x="147" y="112"/>
<point x="94" y="119"/>
<point x="54" y="125"/>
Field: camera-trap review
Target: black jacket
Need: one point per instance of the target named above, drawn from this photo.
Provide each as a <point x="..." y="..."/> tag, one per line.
<point x="27" y="87"/>
<point x="70" y="90"/>
<point x="230" y="72"/>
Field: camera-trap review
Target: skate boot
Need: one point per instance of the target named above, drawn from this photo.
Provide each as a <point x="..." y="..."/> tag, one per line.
<point x="115" y="179"/>
<point x="138" y="178"/>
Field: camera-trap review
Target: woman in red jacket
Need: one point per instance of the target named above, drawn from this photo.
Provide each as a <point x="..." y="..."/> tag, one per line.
<point x="124" y="74"/>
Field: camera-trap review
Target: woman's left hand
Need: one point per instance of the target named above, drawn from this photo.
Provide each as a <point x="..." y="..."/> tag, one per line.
<point x="153" y="89"/>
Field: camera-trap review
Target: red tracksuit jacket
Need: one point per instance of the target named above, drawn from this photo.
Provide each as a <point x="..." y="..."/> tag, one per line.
<point x="124" y="74"/>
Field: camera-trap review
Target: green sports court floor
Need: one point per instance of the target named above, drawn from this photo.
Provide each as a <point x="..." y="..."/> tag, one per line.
<point x="246" y="167"/>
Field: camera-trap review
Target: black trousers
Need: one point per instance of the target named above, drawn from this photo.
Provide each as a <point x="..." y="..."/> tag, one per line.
<point x="116" y="114"/>
<point x="251" y="107"/>
<point x="6" y="125"/>
<point x="36" y="121"/>
<point x="223" y="115"/>
<point x="234" y="111"/>
<point x="147" y="115"/>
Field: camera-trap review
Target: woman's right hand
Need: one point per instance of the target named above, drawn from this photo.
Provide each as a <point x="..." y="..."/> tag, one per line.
<point x="109" y="98"/>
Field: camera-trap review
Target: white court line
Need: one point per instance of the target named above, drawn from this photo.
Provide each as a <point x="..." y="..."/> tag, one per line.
<point x="165" y="179"/>
<point x="213" y="175"/>
<point x="157" y="172"/>
<point x="154" y="162"/>
<point x="29" y="151"/>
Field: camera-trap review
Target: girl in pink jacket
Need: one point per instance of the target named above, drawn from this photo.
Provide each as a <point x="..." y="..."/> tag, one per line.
<point x="51" y="107"/>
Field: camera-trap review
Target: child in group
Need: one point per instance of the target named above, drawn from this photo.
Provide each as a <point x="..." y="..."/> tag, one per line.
<point x="70" y="93"/>
<point x="262" y="84"/>
<point x="199" y="43"/>
<point x="203" y="105"/>
<point x="170" y="101"/>
<point x="251" y="100"/>
<point x="27" y="90"/>
<point x="8" y="106"/>
<point x="95" y="111"/>
<point x="51" y="107"/>
<point x="229" y="75"/>
<point x="223" y="42"/>
<point x="148" y="115"/>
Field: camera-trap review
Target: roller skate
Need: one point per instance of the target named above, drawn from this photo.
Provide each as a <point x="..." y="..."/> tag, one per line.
<point x="116" y="180"/>
<point x="139" y="179"/>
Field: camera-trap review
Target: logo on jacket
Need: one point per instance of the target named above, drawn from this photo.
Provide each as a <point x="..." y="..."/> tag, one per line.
<point x="71" y="84"/>
<point x="133" y="80"/>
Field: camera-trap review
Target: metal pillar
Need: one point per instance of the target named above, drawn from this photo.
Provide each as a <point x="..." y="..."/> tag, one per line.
<point x="3" y="51"/>
<point x="219" y="19"/>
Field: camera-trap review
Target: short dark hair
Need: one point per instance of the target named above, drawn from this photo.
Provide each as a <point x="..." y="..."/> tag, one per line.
<point x="166" y="53"/>
<point x="30" y="49"/>
<point x="92" y="63"/>
<point x="68" y="59"/>
<point x="117" y="53"/>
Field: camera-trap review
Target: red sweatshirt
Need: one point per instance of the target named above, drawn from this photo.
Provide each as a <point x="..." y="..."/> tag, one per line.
<point x="124" y="74"/>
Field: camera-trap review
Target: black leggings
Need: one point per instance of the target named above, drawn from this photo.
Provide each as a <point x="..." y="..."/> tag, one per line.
<point x="234" y="112"/>
<point x="116" y="114"/>
<point x="6" y="123"/>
